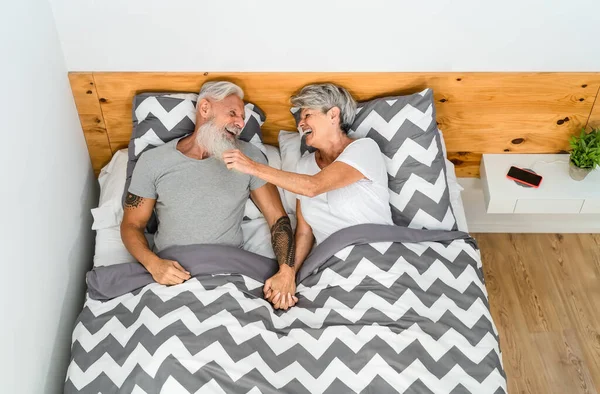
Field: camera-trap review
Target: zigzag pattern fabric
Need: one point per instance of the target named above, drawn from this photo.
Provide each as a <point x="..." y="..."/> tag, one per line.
<point x="386" y="317"/>
<point x="405" y="129"/>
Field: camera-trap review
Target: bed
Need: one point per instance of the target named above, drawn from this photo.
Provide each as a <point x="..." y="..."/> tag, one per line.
<point x="381" y="309"/>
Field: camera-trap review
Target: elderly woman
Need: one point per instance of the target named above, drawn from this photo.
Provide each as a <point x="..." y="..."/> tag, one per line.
<point x="343" y="183"/>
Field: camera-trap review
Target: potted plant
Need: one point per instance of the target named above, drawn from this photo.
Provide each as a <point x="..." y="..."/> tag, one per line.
<point x="585" y="153"/>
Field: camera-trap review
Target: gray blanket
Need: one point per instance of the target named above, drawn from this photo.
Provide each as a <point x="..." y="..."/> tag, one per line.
<point x="105" y="283"/>
<point x="381" y="309"/>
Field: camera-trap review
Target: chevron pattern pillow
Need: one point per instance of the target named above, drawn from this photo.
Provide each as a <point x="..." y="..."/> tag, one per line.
<point x="405" y="129"/>
<point x="161" y="117"/>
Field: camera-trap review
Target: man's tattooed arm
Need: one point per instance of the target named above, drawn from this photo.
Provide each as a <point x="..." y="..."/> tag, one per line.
<point x="133" y="201"/>
<point x="282" y="239"/>
<point x="137" y="212"/>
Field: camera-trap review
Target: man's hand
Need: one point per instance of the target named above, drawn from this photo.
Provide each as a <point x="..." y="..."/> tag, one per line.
<point x="280" y="289"/>
<point x="167" y="272"/>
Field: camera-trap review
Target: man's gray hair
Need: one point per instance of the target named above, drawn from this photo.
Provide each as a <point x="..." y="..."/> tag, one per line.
<point x="219" y="90"/>
<point x="324" y="96"/>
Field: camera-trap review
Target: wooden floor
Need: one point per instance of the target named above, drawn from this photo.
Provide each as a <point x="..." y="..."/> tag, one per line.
<point x="544" y="292"/>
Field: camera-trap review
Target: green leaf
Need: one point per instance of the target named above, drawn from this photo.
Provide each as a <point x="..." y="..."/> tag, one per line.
<point x="585" y="148"/>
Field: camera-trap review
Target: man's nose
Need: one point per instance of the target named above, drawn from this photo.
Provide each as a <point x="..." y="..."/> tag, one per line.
<point x="239" y="122"/>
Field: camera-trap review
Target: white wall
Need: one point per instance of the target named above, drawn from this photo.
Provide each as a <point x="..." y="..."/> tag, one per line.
<point x="319" y="35"/>
<point x="47" y="190"/>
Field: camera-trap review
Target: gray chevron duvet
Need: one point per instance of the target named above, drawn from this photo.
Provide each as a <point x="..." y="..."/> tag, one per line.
<point x="382" y="309"/>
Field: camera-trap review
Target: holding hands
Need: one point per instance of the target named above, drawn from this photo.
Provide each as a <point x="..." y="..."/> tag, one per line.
<point x="280" y="289"/>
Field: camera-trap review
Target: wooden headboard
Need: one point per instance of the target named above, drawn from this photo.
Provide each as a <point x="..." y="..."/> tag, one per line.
<point x="477" y="112"/>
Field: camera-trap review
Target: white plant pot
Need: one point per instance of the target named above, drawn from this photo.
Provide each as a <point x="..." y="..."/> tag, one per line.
<point x="577" y="173"/>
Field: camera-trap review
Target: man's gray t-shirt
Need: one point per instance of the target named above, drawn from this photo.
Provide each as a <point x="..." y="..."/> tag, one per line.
<point x="197" y="201"/>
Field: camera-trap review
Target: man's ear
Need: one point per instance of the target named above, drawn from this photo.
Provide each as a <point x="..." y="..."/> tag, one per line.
<point x="204" y="108"/>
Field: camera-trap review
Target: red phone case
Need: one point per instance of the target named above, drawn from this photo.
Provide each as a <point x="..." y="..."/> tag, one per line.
<point x="526" y="183"/>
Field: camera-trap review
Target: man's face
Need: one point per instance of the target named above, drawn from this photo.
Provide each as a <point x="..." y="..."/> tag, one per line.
<point x="228" y="115"/>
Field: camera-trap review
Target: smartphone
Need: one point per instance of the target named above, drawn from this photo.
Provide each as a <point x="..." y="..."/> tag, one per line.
<point x="523" y="176"/>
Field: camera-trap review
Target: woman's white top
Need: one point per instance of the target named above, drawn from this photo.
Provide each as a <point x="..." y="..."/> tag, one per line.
<point x="365" y="201"/>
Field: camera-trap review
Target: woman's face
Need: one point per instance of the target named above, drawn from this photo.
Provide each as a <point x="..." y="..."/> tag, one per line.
<point x="317" y="126"/>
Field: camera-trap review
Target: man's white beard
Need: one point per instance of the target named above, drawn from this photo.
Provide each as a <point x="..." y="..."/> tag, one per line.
<point x="215" y="140"/>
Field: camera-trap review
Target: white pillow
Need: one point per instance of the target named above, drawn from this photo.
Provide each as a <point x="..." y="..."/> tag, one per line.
<point x="251" y="211"/>
<point x="274" y="158"/>
<point x="289" y="147"/>
<point x="112" y="181"/>
<point x="109" y="214"/>
<point x="110" y="249"/>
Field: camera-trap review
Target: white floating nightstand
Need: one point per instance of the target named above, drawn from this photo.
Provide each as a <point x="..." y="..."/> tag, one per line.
<point x="557" y="193"/>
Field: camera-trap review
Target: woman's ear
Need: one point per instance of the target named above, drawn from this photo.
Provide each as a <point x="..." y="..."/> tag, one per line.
<point x="204" y="108"/>
<point x="334" y="114"/>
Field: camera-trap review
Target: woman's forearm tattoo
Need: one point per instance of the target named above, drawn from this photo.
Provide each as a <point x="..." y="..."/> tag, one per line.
<point x="282" y="239"/>
<point x="133" y="201"/>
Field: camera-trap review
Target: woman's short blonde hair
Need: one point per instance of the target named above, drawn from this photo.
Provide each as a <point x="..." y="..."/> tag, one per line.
<point x="324" y="96"/>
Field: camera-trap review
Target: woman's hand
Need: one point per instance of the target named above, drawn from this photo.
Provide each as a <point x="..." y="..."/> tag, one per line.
<point x="280" y="289"/>
<point x="236" y="160"/>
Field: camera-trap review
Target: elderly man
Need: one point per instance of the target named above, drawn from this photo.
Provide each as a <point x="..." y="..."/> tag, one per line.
<point x="197" y="199"/>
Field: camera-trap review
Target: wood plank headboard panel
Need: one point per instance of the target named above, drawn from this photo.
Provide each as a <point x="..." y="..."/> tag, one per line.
<point x="477" y="112"/>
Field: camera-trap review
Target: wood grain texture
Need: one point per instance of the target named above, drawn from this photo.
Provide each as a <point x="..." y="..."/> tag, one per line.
<point x="477" y="112"/>
<point x="594" y="119"/>
<point x="92" y="121"/>
<point x="544" y="292"/>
